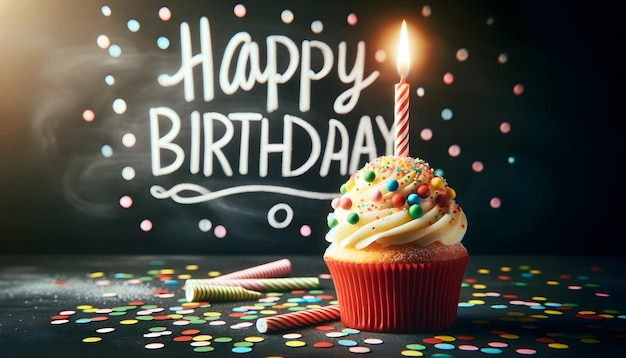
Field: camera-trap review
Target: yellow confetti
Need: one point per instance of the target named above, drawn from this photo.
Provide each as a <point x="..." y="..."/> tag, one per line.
<point x="483" y="271"/>
<point x="214" y="273"/>
<point x="202" y="337"/>
<point x="167" y="271"/>
<point x="476" y="302"/>
<point x="505" y="269"/>
<point x="96" y="274"/>
<point x="446" y="338"/>
<point x="185" y="276"/>
<point x="539" y="298"/>
<point x="535" y="272"/>
<point x="558" y="345"/>
<point x="479" y="286"/>
<point x="509" y="336"/>
<point x="92" y="339"/>
<point x="295" y="344"/>
<point x="254" y="339"/>
<point x="552" y="283"/>
<point x="479" y="294"/>
<point x="129" y="321"/>
<point x="84" y="307"/>
<point x="553" y="312"/>
<point x="411" y="353"/>
<point x="212" y="314"/>
<point x="191" y="267"/>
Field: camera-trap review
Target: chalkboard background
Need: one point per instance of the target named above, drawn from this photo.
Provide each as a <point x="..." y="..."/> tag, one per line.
<point x="525" y="90"/>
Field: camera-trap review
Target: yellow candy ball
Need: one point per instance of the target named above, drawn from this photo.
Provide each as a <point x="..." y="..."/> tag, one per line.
<point x="451" y="193"/>
<point x="437" y="183"/>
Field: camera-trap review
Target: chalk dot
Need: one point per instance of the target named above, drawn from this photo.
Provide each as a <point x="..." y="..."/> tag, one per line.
<point x="119" y="106"/>
<point x="426" y="134"/>
<point x="128" y="173"/>
<point x="106" y="151"/>
<point x="420" y="91"/>
<point x="129" y="140"/>
<point x="503" y="58"/>
<point x="427" y="11"/>
<point x="511" y="160"/>
<point x="133" y="25"/>
<point x="495" y="203"/>
<point x="317" y="26"/>
<point x="448" y="78"/>
<point x="454" y="150"/>
<point x="205" y="225"/>
<point x="126" y="202"/>
<point x="462" y="54"/>
<point x="505" y="127"/>
<point x="240" y="10"/>
<point x="165" y="14"/>
<point x="380" y="56"/>
<point x="305" y="231"/>
<point x="478" y="166"/>
<point x="109" y="80"/>
<point x="163" y="42"/>
<point x="106" y="11"/>
<point x="518" y="89"/>
<point x="271" y="216"/>
<point x="446" y="114"/>
<point x="103" y="41"/>
<point x="115" y="51"/>
<point x="219" y="231"/>
<point x="352" y="19"/>
<point x="88" y="115"/>
<point x="145" y="225"/>
<point x="286" y="16"/>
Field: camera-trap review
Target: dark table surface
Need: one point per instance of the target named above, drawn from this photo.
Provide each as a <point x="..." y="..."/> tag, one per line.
<point x="102" y="306"/>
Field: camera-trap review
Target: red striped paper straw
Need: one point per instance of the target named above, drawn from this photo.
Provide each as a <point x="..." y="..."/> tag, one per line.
<point x="297" y="319"/>
<point x="262" y="284"/>
<point x="279" y="268"/>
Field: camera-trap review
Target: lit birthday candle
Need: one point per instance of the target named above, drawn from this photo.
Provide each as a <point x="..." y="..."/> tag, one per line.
<point x="401" y="110"/>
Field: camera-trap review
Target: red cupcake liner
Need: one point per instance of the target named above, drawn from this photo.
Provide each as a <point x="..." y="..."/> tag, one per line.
<point x="398" y="297"/>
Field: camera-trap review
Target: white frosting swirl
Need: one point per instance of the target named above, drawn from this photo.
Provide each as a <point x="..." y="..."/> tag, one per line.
<point x="394" y="201"/>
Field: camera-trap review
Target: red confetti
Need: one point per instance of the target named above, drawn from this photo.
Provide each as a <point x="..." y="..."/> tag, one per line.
<point x="182" y="338"/>
<point x="323" y="344"/>
<point x="432" y="340"/>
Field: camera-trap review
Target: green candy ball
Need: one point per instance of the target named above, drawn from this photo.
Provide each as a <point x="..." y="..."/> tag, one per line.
<point x="416" y="211"/>
<point x="353" y="218"/>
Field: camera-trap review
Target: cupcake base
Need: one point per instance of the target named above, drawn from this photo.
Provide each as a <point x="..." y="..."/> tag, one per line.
<point x="398" y="297"/>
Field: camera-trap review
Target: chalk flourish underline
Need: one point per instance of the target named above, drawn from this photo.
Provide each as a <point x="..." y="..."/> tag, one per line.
<point x="201" y="194"/>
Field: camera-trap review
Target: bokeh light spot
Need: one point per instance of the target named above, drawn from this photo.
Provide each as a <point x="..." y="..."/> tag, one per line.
<point x="163" y="42"/>
<point x="427" y="11"/>
<point x="145" y="225"/>
<point x="128" y="173"/>
<point x="109" y="80"/>
<point x="518" y="89"/>
<point x="240" y="10"/>
<point x="448" y="78"/>
<point x="380" y="56"/>
<point x="115" y="51"/>
<point x="119" y="106"/>
<point x="219" y="231"/>
<point x="317" y="26"/>
<point x="490" y="21"/>
<point x="462" y="54"/>
<point x="426" y="134"/>
<point x="106" y="151"/>
<point x="126" y="202"/>
<point x="495" y="203"/>
<point x="439" y="172"/>
<point x="133" y="25"/>
<point x="129" y="140"/>
<point x="454" y="150"/>
<point x="88" y="115"/>
<point x="106" y="11"/>
<point x="446" y="114"/>
<point x="352" y="19"/>
<point x="505" y="127"/>
<point x="478" y="166"/>
<point x="286" y="16"/>
<point x="165" y="14"/>
<point x="420" y="91"/>
<point x="103" y="41"/>
<point x="305" y="231"/>
<point x="205" y="225"/>
<point x="511" y="160"/>
<point x="503" y="58"/>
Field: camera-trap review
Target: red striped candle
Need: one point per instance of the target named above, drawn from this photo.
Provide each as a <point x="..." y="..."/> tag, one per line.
<point x="297" y="319"/>
<point x="402" y="90"/>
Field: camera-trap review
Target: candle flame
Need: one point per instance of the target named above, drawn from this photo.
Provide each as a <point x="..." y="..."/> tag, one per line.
<point x="403" y="52"/>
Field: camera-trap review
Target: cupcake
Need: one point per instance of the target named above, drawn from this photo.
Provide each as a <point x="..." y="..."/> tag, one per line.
<point x="395" y="253"/>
